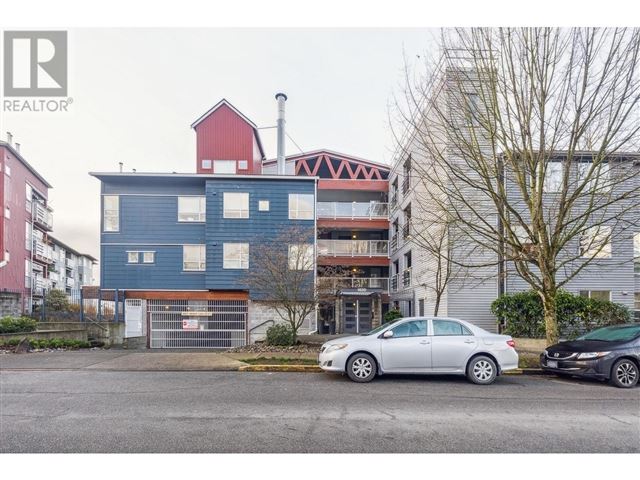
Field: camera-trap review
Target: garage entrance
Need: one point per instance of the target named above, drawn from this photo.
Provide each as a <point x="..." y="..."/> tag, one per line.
<point x="197" y="323"/>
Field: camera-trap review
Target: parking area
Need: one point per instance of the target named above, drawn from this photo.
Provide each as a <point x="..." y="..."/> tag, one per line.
<point x="115" y="411"/>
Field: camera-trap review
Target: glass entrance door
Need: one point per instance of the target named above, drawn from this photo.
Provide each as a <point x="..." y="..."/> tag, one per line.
<point x="357" y="315"/>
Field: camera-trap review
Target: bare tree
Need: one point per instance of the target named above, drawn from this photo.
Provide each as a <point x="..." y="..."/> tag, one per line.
<point x="282" y="276"/>
<point x="529" y="139"/>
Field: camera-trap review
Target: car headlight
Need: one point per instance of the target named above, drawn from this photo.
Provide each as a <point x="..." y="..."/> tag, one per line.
<point x="546" y="353"/>
<point x="336" y="346"/>
<point x="591" y="355"/>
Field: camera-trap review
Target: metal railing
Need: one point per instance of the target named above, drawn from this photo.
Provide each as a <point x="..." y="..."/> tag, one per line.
<point x="394" y="242"/>
<point x="406" y="277"/>
<point x="406" y="183"/>
<point x="42" y="252"/>
<point x="406" y="230"/>
<point x="352" y="210"/>
<point x="336" y="283"/>
<point x="42" y="216"/>
<point x="394" y="283"/>
<point x="353" y="248"/>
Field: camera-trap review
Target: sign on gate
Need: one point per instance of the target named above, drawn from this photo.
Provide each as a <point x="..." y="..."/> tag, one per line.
<point x="190" y="324"/>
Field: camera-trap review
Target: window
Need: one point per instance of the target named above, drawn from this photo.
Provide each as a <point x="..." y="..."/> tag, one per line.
<point x="27" y="236"/>
<point x="600" y="177"/>
<point x="28" y="194"/>
<point x="224" y="166"/>
<point x="27" y="274"/>
<point x="235" y="255"/>
<point x="421" y="307"/>
<point x="7" y="213"/>
<point x="263" y="205"/>
<point x="194" y="258"/>
<point x="148" y="257"/>
<point x="206" y="164"/>
<point x="636" y="253"/>
<point x="553" y="177"/>
<point x="7" y="170"/>
<point x="132" y="257"/>
<point x="111" y="213"/>
<point x="595" y="242"/>
<point x="449" y="328"/>
<point x="596" y="294"/>
<point x="417" y="328"/>
<point x="236" y="205"/>
<point x="301" y="256"/>
<point x="192" y="209"/>
<point x="300" y="206"/>
<point x="243" y="165"/>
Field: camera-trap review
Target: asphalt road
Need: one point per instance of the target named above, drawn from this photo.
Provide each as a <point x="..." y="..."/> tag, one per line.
<point x="82" y="411"/>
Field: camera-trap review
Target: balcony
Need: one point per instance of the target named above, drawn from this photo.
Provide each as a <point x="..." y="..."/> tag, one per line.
<point x="337" y="283"/>
<point x="406" y="230"/>
<point x="353" y="248"/>
<point x="42" y="217"/>
<point x="352" y="210"/>
<point x="394" y="283"/>
<point x="394" y="243"/>
<point x="42" y="252"/>
<point x="70" y="282"/>
<point x="406" y="278"/>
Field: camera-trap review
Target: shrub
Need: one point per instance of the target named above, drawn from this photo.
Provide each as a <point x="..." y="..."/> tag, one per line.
<point x="57" y="301"/>
<point x="280" y="334"/>
<point x="523" y="315"/>
<point x="392" y="315"/>
<point x="17" y="325"/>
<point x="38" y="343"/>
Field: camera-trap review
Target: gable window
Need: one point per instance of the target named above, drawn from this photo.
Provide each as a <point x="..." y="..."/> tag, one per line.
<point x="236" y="205"/>
<point x="300" y="206"/>
<point x="194" y="258"/>
<point x="224" y="166"/>
<point x="596" y="294"/>
<point x="111" y="213"/>
<point x="133" y="257"/>
<point x="263" y="205"/>
<point x="301" y="256"/>
<point x="243" y="165"/>
<point x="235" y="255"/>
<point x="206" y="164"/>
<point x="595" y="242"/>
<point x="192" y="209"/>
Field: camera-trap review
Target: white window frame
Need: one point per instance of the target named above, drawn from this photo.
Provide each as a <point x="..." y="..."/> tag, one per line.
<point x="242" y="198"/>
<point x="28" y="193"/>
<point x="133" y="257"/>
<point x="7" y="169"/>
<point x="295" y="213"/>
<point x="263" y="205"/>
<point x="602" y="180"/>
<point x="7" y="212"/>
<point x="552" y="183"/>
<point x="186" y="215"/>
<point x="589" y="293"/>
<point x="219" y="165"/>
<point x="28" y="233"/>
<point x="241" y="163"/>
<point x="113" y="213"/>
<point x="238" y="262"/>
<point x="205" y="165"/>
<point x="144" y="258"/>
<point x="589" y="244"/>
<point x="307" y="259"/>
<point x="201" y="261"/>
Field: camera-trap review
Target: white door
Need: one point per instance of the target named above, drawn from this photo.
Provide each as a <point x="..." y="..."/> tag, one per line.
<point x="408" y="350"/>
<point x="452" y="345"/>
<point x="134" y="318"/>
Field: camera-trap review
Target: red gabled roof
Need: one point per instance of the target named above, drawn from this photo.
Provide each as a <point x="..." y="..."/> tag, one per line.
<point x="225" y="102"/>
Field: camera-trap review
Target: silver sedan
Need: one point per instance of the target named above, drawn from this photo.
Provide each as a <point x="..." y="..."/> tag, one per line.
<point x="423" y="346"/>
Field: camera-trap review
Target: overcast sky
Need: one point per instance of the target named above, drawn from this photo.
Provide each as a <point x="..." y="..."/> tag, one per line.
<point x="136" y="92"/>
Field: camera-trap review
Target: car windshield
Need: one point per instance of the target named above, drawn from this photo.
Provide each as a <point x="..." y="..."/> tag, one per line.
<point x="613" y="334"/>
<point x="381" y="327"/>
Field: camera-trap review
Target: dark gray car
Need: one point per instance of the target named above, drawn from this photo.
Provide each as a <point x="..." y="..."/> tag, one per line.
<point x="609" y="353"/>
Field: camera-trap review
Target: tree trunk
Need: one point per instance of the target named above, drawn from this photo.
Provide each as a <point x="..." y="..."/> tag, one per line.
<point x="437" y="305"/>
<point x="550" y="315"/>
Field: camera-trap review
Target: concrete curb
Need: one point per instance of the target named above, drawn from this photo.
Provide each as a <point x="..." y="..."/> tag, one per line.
<point x="280" y="368"/>
<point x="525" y="371"/>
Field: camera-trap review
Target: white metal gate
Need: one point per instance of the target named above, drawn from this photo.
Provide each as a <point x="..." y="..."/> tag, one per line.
<point x="134" y="318"/>
<point x="197" y="323"/>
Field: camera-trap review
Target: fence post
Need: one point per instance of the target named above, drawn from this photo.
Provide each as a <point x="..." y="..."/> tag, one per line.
<point x="81" y="305"/>
<point x="117" y="317"/>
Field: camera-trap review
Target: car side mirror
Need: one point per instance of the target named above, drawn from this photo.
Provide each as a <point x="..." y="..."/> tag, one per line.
<point x="387" y="334"/>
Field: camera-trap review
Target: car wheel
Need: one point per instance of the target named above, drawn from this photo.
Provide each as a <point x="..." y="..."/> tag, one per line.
<point x="624" y="373"/>
<point x="482" y="370"/>
<point x="361" y="368"/>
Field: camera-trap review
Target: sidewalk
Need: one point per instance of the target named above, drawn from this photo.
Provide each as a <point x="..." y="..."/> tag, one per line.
<point x="122" y="360"/>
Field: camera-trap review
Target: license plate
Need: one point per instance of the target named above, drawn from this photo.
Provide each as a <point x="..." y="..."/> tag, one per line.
<point x="552" y="364"/>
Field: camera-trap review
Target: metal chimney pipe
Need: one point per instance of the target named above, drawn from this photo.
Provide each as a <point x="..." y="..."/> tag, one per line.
<point x="281" y="98"/>
<point x="17" y="147"/>
<point x="9" y="138"/>
<point x="121" y="164"/>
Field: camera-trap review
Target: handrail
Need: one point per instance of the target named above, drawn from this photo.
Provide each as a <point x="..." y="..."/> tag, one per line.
<point x="258" y="326"/>
<point x="353" y="210"/>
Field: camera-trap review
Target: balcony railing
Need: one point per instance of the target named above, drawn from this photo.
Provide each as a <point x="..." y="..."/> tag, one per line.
<point x="70" y="282"/>
<point x="352" y="210"/>
<point x="406" y="183"/>
<point x="394" y="283"/>
<point x="42" y="252"/>
<point x="353" y="248"/>
<point x="42" y="216"/>
<point x="337" y="283"/>
<point x="406" y="277"/>
<point x="394" y="243"/>
<point x="406" y="230"/>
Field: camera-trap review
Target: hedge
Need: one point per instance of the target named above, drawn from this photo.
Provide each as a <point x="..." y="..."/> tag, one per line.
<point x="280" y="334"/>
<point x="523" y="315"/>
<point x="17" y="325"/>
